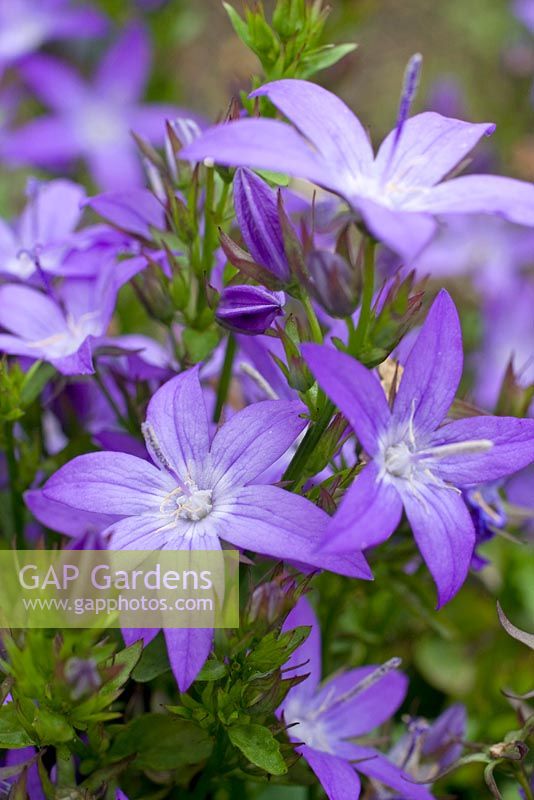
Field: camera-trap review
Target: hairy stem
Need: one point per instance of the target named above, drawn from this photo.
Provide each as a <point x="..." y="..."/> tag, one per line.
<point x="226" y="377"/>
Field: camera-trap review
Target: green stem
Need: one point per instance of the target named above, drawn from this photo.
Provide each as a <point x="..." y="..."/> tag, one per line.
<point x="525" y="783"/>
<point x="315" y="328"/>
<point x="226" y="377"/>
<point x="17" y="507"/>
<point x="309" y="443"/>
<point x="360" y="334"/>
<point x="209" y="225"/>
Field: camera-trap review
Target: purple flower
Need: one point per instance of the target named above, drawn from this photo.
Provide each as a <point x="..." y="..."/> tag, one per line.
<point x="398" y="193"/>
<point x="199" y="490"/>
<point x="508" y="338"/>
<point x="491" y="251"/>
<point x="256" y="210"/>
<point x="60" y="329"/>
<point x="324" y="719"/>
<point x="428" y="749"/>
<point x="43" y="233"/>
<point x="414" y="461"/>
<point x="249" y="309"/>
<point x="136" y="211"/>
<point x="487" y="512"/>
<point x="25" y="25"/>
<point x="92" y="120"/>
<point x="524" y="11"/>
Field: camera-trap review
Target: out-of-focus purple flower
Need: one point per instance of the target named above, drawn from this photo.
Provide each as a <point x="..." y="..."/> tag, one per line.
<point x="200" y="490"/>
<point x="249" y="309"/>
<point x="136" y="211"/>
<point x="415" y="461"/>
<point x="92" y="120"/>
<point x="524" y="11"/>
<point x="427" y="748"/>
<point x="34" y="788"/>
<point x="399" y="192"/>
<point x="508" y="335"/>
<point x="487" y="512"/>
<point x="489" y="250"/>
<point x="43" y="233"/>
<point x="83" y="676"/>
<point x="256" y="210"/>
<point x="25" y="25"/>
<point x="325" y="719"/>
<point x="520" y="492"/>
<point x="119" y="795"/>
<point x="62" y="329"/>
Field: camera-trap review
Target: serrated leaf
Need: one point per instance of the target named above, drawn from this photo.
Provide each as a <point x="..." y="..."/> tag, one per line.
<point x="211" y="671"/>
<point x="239" y="26"/>
<point x="127" y="659"/>
<point x="260" y="747"/>
<point x="274" y="650"/>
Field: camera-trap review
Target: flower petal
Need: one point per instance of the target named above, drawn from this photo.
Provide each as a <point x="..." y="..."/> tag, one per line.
<point x="29" y="313"/>
<point x="444" y="533"/>
<point x="366" y="710"/>
<point x="369" y="513"/>
<point x="307" y="657"/>
<point x="178" y="421"/>
<point x="260" y="144"/>
<point x="64" y="519"/>
<point x="45" y="142"/>
<point x="116" y="166"/>
<point x="132" y="635"/>
<point x="136" y="210"/>
<point x="109" y="483"/>
<point x="188" y="650"/>
<point x="353" y="388"/>
<point x="280" y="524"/>
<point x="485" y="194"/>
<point x="253" y="439"/>
<point x="430" y="147"/>
<point x="57" y="85"/>
<point x="123" y="71"/>
<point x="433" y="369"/>
<point x="405" y="232"/>
<point x="379" y="768"/>
<point x="325" y="120"/>
<point x="338" y="778"/>
<point x="513" y="449"/>
<point x="52" y="213"/>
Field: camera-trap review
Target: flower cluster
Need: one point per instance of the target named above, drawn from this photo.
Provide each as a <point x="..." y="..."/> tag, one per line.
<point x="201" y="353"/>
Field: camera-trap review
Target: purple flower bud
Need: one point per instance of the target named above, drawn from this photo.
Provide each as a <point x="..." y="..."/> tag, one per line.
<point x="257" y="214"/>
<point x="333" y="283"/>
<point x="249" y="309"/>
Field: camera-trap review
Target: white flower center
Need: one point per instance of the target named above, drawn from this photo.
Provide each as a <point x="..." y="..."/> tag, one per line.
<point x="189" y="502"/>
<point x="68" y="341"/>
<point x="398" y="460"/>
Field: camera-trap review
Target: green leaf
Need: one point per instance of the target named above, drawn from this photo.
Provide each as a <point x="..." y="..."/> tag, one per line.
<point x="211" y="671"/>
<point x="153" y="662"/>
<point x="162" y="742"/>
<point x="199" y="344"/>
<point x="274" y="650"/>
<point x="326" y="57"/>
<point x="52" y="728"/>
<point x="12" y="734"/>
<point x="239" y="26"/>
<point x="127" y="659"/>
<point x="259" y="746"/>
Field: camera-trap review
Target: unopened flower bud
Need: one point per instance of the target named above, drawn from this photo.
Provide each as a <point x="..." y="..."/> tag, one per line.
<point x="333" y="282"/>
<point x="256" y="209"/>
<point x="249" y="309"/>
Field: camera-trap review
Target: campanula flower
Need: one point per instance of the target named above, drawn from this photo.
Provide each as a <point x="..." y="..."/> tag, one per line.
<point x="415" y="461"/>
<point x="92" y="120"/>
<point x="324" y="719"/>
<point x="43" y="234"/>
<point x="399" y="192"/>
<point x="427" y="749"/>
<point x="200" y="489"/>
<point x="61" y="327"/>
